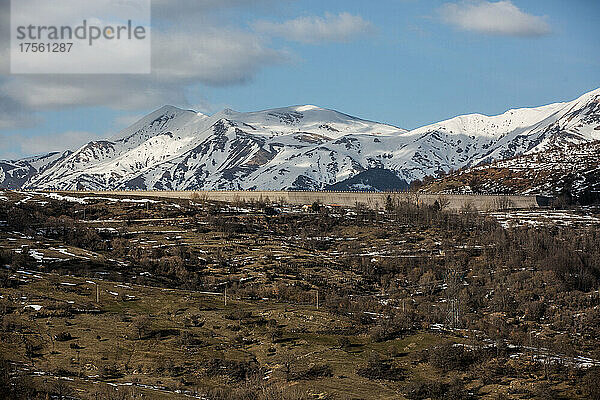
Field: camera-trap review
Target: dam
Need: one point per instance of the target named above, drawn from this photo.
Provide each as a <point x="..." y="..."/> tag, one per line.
<point x="372" y="200"/>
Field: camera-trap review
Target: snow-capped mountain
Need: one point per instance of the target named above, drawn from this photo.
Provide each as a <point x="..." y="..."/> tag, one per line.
<point x="15" y="174"/>
<point x="178" y="149"/>
<point x="300" y="147"/>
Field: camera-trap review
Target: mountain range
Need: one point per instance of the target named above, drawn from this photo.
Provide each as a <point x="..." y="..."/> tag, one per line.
<point x="299" y="148"/>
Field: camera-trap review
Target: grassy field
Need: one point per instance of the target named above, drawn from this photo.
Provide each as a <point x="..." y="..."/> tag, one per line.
<point x="116" y="299"/>
<point x="166" y="339"/>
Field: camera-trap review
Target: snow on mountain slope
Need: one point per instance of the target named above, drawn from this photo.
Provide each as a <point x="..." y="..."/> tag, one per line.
<point x="572" y="170"/>
<point x="308" y="118"/>
<point x="299" y="147"/>
<point x="177" y="149"/>
<point x="472" y="139"/>
<point x="15" y="174"/>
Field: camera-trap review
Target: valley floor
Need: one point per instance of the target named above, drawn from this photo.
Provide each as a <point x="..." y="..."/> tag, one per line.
<point x="117" y="298"/>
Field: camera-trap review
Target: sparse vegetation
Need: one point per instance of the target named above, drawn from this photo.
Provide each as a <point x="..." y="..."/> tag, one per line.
<point x="220" y="301"/>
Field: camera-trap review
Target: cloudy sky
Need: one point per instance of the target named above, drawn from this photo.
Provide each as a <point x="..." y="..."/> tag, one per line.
<point x="403" y="62"/>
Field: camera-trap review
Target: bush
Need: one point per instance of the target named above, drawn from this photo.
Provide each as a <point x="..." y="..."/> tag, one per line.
<point x="189" y="339"/>
<point x="591" y="383"/>
<point x="195" y="321"/>
<point x="110" y="371"/>
<point x="257" y="391"/>
<point x="238" y="315"/>
<point x="493" y="371"/>
<point x="63" y="337"/>
<point x="392" y="329"/>
<point x="236" y="371"/>
<point x="543" y="391"/>
<point x="344" y="342"/>
<point x="380" y="368"/>
<point x="437" y="390"/>
<point x="535" y="310"/>
<point x="451" y="357"/>
<point x="315" y="372"/>
<point x="60" y="389"/>
<point x="142" y="326"/>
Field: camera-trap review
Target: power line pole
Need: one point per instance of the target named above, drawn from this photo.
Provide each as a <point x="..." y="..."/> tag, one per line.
<point x="97" y="290"/>
<point x="225" y="296"/>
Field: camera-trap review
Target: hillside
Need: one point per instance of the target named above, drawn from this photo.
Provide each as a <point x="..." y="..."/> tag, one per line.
<point x="572" y="170"/>
<point x="378" y="179"/>
<point x="120" y="297"/>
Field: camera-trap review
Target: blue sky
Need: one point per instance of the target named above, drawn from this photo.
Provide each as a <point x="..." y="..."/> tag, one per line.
<point x="403" y="62"/>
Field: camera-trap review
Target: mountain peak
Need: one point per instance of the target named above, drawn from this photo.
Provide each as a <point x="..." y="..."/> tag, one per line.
<point x="167" y="108"/>
<point x="299" y="147"/>
<point x="307" y="107"/>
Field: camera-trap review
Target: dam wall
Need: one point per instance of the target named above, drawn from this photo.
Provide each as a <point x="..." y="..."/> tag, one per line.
<point x="373" y="200"/>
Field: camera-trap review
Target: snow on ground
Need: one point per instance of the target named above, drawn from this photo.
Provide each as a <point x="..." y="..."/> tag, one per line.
<point x="125" y="200"/>
<point x="24" y="200"/>
<point x="308" y="147"/>
<point x="61" y="197"/>
<point x="81" y="200"/>
<point x="63" y="251"/>
<point x="107" y="229"/>
<point x="543" y="217"/>
<point x="40" y="257"/>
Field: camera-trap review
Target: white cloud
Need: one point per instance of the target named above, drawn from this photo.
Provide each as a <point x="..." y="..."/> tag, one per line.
<point x="494" y="18"/>
<point x="210" y="57"/>
<point x="14" y="115"/>
<point x="206" y="52"/>
<point x="18" y="145"/>
<point x="331" y="28"/>
<point x="194" y="44"/>
<point x="120" y="92"/>
<point x="214" y="56"/>
<point x="11" y="121"/>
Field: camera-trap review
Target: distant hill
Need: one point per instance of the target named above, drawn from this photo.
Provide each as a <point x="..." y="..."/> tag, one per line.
<point x="376" y="179"/>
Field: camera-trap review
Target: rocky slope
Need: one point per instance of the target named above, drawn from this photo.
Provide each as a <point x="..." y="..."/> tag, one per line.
<point x="296" y="148"/>
<point x="570" y="170"/>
